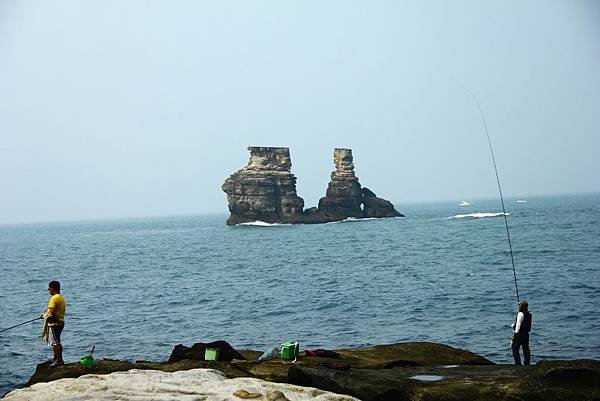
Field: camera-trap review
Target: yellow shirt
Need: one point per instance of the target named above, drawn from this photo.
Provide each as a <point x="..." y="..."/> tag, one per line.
<point x="58" y="303"/>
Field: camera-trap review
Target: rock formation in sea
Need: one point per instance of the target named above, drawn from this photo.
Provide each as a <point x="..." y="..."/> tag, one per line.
<point x="265" y="190"/>
<point x="344" y="194"/>
<point x="377" y="207"/>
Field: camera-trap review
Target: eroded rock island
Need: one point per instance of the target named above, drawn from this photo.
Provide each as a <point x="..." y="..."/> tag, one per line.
<point x="265" y="190"/>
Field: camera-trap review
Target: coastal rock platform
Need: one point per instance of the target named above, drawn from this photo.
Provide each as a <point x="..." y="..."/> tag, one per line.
<point x="404" y="371"/>
<point x="188" y="385"/>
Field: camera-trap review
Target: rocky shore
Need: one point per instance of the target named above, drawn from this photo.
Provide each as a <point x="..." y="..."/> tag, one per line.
<point x="265" y="190"/>
<point x="404" y="371"/>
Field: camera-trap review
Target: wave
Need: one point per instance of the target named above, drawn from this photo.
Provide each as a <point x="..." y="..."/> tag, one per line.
<point x="521" y="201"/>
<point x="259" y="223"/>
<point x="477" y="215"/>
<point x="355" y="219"/>
<point x="361" y="219"/>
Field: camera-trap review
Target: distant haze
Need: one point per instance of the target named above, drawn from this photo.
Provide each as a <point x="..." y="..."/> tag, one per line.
<point x="143" y="108"/>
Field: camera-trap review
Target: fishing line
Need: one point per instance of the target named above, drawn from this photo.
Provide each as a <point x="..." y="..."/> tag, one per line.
<point x="512" y="259"/>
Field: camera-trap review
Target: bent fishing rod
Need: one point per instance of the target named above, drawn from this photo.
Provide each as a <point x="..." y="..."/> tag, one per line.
<point x="512" y="259"/>
<point x="21" y="324"/>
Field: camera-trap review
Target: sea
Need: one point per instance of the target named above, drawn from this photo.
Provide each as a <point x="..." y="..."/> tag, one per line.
<point x="136" y="288"/>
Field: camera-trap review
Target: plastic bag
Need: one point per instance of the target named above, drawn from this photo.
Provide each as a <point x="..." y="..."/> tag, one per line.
<point x="268" y="355"/>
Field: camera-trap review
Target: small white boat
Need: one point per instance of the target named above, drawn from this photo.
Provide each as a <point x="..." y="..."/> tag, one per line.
<point x="521" y="201"/>
<point x="464" y="203"/>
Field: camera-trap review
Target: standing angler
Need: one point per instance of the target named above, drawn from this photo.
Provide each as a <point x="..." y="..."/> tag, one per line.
<point x="522" y="328"/>
<point x="522" y="324"/>
<point x="55" y="322"/>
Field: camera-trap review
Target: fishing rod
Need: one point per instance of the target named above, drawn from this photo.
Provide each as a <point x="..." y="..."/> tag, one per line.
<point x="512" y="259"/>
<point x="20" y="324"/>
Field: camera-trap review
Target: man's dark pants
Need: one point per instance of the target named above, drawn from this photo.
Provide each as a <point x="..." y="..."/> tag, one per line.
<point x="521" y="340"/>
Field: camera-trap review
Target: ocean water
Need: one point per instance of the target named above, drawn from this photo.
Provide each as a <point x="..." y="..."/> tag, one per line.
<point x="136" y="288"/>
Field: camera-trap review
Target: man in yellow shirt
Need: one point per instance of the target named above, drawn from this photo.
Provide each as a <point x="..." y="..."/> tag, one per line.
<point x="55" y="319"/>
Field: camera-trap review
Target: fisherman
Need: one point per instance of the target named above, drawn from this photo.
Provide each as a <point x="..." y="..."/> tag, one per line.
<point x="55" y="322"/>
<point x="522" y="327"/>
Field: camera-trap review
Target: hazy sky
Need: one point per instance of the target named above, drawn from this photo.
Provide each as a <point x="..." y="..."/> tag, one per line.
<point x="144" y="108"/>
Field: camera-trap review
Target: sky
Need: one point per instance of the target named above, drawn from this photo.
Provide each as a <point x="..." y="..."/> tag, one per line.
<point x="113" y="109"/>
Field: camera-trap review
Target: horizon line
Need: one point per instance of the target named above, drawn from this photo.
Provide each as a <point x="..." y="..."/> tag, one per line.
<point x="215" y="213"/>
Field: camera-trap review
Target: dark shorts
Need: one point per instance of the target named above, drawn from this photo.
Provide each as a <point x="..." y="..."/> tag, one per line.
<point x="54" y="335"/>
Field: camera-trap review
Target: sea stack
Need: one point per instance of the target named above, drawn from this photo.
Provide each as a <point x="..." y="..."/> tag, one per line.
<point x="264" y="190"/>
<point x="344" y="194"/>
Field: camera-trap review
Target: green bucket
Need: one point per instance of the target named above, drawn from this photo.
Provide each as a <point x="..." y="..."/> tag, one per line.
<point x="290" y="350"/>
<point x="211" y="354"/>
<point x="88" y="360"/>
